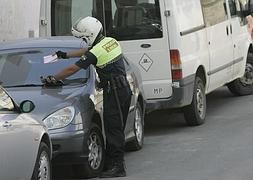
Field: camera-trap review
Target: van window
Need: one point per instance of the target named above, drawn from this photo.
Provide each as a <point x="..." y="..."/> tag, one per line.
<point x="214" y="11"/>
<point x="232" y="8"/>
<point x="240" y="8"/>
<point x="133" y="19"/>
<point x="66" y="12"/>
<point x="121" y="19"/>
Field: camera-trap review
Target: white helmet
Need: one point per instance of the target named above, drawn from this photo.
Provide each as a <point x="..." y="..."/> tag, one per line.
<point x="88" y="29"/>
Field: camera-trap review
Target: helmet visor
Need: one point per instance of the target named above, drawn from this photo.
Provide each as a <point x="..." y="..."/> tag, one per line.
<point x="76" y="24"/>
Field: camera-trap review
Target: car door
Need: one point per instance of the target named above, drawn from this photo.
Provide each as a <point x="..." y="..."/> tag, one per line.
<point x="140" y="26"/>
<point x="219" y="41"/>
<point x="6" y="114"/>
<point x="17" y="143"/>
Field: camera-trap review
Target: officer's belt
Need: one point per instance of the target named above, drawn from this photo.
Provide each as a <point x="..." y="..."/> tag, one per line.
<point x="118" y="81"/>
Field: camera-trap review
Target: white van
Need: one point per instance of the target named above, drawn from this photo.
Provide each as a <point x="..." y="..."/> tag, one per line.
<point x="183" y="48"/>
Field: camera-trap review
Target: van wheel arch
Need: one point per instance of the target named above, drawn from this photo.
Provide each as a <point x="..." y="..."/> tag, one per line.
<point x="201" y="73"/>
<point x="244" y="85"/>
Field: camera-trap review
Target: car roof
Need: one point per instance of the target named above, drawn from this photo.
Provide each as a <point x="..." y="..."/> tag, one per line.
<point x="54" y="42"/>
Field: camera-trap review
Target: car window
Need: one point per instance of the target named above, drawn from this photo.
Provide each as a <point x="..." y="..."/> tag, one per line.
<point x="26" y="66"/>
<point x="6" y="103"/>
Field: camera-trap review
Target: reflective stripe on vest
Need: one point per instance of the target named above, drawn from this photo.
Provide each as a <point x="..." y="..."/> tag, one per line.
<point x="106" y="51"/>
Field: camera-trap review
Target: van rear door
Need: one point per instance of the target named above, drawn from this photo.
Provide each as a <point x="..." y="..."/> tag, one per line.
<point x="140" y="26"/>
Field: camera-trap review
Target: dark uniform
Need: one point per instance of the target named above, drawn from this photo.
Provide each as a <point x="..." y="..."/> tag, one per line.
<point x="107" y="57"/>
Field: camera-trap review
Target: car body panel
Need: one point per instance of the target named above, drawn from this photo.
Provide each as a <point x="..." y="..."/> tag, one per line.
<point x="20" y="137"/>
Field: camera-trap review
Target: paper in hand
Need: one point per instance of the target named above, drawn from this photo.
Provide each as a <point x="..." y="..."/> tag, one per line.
<point x="50" y="59"/>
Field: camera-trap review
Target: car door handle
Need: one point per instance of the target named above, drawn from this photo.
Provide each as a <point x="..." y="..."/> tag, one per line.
<point x="7" y="124"/>
<point x="231" y="30"/>
<point x="146" y="45"/>
<point x="227" y="30"/>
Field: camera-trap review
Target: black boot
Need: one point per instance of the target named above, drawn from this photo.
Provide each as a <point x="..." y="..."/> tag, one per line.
<point x="117" y="170"/>
<point x="107" y="165"/>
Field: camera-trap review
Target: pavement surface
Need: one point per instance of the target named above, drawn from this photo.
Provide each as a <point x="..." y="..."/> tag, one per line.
<point x="220" y="149"/>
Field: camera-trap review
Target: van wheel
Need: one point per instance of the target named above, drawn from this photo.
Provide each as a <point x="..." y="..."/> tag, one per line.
<point x="96" y="155"/>
<point x="195" y="113"/>
<point x="244" y="85"/>
<point x="137" y="142"/>
<point x="42" y="169"/>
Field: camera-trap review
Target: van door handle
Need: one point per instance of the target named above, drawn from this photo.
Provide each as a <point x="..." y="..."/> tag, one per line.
<point x="146" y="45"/>
<point x="227" y="30"/>
<point x="7" y="124"/>
<point x="231" y="31"/>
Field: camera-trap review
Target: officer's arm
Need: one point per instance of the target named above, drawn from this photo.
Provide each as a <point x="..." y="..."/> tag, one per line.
<point x="83" y="63"/>
<point x="76" y="53"/>
<point x="87" y="59"/>
<point x="71" y="54"/>
<point x="66" y="72"/>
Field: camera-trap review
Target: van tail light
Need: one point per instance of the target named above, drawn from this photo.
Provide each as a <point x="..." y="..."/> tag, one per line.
<point x="176" y="65"/>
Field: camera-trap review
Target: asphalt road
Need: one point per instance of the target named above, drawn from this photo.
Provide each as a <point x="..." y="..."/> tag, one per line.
<point x="220" y="149"/>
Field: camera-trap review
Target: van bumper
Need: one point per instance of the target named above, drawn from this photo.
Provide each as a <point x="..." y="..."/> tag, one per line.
<point x="182" y="93"/>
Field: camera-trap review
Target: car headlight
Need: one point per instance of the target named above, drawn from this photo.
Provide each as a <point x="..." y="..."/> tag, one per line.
<point x="60" y="118"/>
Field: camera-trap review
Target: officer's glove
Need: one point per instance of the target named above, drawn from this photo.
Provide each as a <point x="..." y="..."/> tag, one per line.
<point x="51" y="81"/>
<point x="61" y="55"/>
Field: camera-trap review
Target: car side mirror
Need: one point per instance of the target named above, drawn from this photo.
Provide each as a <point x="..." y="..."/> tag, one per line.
<point x="27" y="106"/>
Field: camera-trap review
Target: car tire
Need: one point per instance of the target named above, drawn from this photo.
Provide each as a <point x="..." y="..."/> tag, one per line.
<point x="96" y="155"/>
<point x="195" y="113"/>
<point x="244" y="85"/>
<point x="42" y="169"/>
<point x="137" y="142"/>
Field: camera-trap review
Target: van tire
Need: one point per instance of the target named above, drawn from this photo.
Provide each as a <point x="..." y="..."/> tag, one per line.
<point x="244" y="85"/>
<point x="195" y="113"/>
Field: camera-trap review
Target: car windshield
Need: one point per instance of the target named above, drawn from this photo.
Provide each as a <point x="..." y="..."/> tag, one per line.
<point x="24" y="67"/>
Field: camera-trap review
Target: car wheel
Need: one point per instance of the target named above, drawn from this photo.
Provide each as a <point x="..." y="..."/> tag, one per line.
<point x="137" y="142"/>
<point x="244" y="85"/>
<point x="42" y="169"/>
<point x="96" y="155"/>
<point x="195" y="113"/>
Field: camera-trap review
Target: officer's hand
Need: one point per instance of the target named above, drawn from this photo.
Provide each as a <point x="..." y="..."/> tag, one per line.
<point x="61" y="55"/>
<point x="51" y="81"/>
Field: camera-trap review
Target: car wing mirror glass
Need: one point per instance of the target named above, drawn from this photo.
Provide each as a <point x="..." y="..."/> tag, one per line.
<point x="27" y="106"/>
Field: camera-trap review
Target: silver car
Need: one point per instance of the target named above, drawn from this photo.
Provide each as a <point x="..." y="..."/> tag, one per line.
<point x="72" y="111"/>
<point x="25" y="148"/>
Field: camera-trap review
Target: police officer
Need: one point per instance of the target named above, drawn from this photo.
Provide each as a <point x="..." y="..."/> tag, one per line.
<point x="106" y="55"/>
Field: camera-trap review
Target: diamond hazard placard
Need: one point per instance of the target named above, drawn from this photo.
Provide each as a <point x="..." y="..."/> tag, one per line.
<point x="146" y="62"/>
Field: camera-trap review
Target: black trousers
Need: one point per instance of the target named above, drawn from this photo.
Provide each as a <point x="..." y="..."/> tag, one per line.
<point x="114" y="127"/>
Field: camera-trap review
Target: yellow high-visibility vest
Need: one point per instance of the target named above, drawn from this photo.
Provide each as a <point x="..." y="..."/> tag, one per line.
<point x="106" y="51"/>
